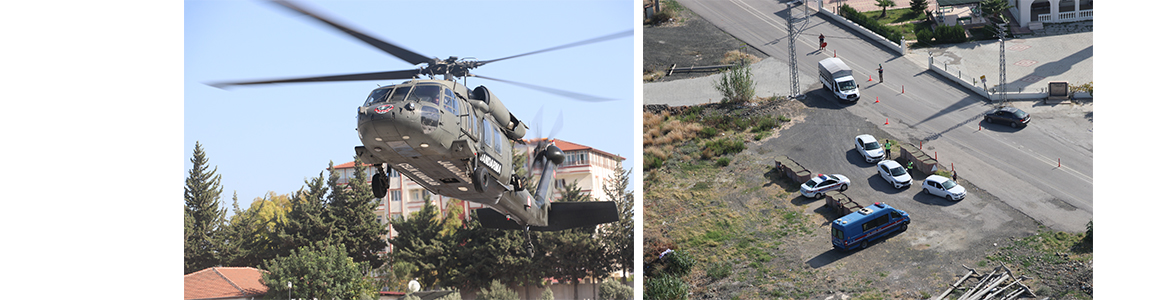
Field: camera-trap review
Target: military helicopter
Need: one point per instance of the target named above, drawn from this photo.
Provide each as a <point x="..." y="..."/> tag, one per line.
<point x="457" y="141"/>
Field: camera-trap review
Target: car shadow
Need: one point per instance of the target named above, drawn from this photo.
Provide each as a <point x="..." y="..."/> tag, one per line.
<point x="833" y="255"/>
<point x="926" y="198"/>
<point x="998" y="127"/>
<point x="856" y="159"/>
<point x="822" y="98"/>
<point x="828" y="257"/>
<point x="879" y="184"/>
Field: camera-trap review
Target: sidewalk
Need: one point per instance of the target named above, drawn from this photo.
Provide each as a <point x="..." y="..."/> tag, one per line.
<point x="1031" y="62"/>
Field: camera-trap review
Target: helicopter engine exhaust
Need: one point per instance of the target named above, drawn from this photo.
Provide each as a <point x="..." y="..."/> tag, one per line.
<point x="514" y="128"/>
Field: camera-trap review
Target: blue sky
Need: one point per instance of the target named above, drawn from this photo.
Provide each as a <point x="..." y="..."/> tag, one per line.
<point x="272" y="137"/>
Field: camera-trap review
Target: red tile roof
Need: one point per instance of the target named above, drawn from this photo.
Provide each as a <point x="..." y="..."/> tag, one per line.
<point x="223" y="282"/>
<point x="570" y="146"/>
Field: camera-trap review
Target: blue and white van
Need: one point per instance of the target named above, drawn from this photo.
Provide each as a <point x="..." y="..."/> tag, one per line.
<point x="859" y="228"/>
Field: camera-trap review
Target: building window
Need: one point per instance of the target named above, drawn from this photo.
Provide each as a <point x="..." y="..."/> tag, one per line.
<point x="395" y="196"/>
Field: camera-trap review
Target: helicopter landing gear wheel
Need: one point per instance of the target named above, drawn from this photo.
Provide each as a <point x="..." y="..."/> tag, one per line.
<point x="380" y="183"/>
<point x="479" y="178"/>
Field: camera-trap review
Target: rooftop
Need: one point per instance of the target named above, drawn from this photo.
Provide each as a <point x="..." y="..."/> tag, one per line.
<point x="223" y="282"/>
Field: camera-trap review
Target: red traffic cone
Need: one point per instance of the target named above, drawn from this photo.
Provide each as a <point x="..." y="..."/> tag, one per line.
<point x="870" y="77"/>
<point x="876" y="99"/>
<point x="887" y="121"/>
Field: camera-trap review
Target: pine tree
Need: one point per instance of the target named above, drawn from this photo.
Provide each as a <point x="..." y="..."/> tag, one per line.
<point x="919" y="6"/>
<point x="351" y="212"/>
<point x="419" y="242"/>
<point x="306" y="222"/>
<point x="576" y="253"/>
<point x="619" y="236"/>
<point x="235" y="235"/>
<point x="203" y="215"/>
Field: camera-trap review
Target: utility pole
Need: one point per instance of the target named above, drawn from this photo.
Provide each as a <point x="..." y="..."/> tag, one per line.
<point x="794" y="77"/>
<point x="1002" y="62"/>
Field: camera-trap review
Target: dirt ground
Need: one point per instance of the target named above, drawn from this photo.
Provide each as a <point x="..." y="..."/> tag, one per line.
<point x="690" y="42"/>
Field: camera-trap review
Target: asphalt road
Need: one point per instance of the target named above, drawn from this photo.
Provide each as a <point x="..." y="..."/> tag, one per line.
<point x="1043" y="170"/>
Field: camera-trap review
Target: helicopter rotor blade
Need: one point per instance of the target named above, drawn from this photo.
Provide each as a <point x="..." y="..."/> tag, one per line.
<point x="399" y="52"/>
<point x="557" y="125"/>
<point x="563" y="93"/>
<point x="570" y="45"/>
<point x="388" y="75"/>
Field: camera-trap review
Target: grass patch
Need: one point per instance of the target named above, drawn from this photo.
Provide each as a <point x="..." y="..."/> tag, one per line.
<point x="909" y="21"/>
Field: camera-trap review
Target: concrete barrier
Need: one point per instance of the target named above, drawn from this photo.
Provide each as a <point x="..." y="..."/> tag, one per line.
<point x="922" y="162"/>
<point x="793" y="170"/>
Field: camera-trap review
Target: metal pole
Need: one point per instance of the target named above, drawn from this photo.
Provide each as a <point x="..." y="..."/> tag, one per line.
<point x="793" y="78"/>
<point x="1002" y="63"/>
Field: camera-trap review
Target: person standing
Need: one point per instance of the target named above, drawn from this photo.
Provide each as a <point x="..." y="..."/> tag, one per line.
<point x="822" y="43"/>
<point x="880" y="77"/>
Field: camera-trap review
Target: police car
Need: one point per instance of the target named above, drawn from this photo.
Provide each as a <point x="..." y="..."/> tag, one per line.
<point x="817" y="186"/>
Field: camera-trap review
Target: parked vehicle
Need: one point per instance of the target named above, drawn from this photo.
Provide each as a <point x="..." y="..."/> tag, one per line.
<point x="859" y="228"/>
<point x="895" y="174"/>
<point x="817" y="186"/>
<point x="1010" y="115"/>
<point x="943" y="187"/>
<point x="869" y="148"/>
<point x="838" y="78"/>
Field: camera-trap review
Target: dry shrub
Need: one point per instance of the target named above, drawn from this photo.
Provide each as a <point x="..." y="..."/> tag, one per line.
<point x="674" y="131"/>
<point x="735" y="56"/>
<point x="659" y="152"/>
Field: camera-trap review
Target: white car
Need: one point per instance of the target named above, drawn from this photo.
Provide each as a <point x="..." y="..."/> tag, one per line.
<point x="817" y="186"/>
<point x="895" y="174"/>
<point x="869" y="148"/>
<point x="943" y="187"/>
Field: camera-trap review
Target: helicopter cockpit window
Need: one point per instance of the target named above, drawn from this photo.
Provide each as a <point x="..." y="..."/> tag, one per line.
<point x="377" y="95"/>
<point x="399" y="94"/>
<point x="449" y="102"/>
<point x="426" y="93"/>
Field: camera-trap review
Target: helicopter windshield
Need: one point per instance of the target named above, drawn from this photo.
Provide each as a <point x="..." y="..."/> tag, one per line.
<point x="426" y="93"/>
<point x="399" y="94"/>
<point x="377" y="95"/>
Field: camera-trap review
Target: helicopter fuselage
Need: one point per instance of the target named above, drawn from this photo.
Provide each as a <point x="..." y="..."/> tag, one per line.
<point x="443" y="136"/>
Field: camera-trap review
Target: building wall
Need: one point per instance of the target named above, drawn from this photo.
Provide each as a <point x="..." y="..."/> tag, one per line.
<point x="1023" y="11"/>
